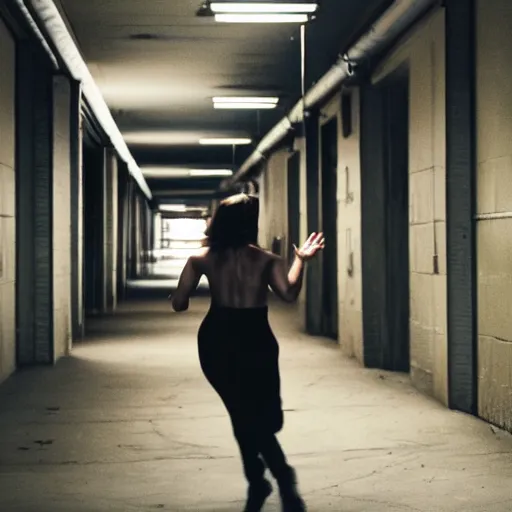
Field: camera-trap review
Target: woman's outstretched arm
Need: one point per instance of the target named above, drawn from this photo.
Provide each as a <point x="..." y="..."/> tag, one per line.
<point x="189" y="280"/>
<point x="285" y="285"/>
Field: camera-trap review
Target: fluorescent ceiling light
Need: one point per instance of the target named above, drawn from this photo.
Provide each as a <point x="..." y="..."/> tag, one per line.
<point x="211" y="172"/>
<point x="174" y="172"/>
<point x="173" y="208"/>
<point x="165" y="172"/>
<point x="261" y="18"/>
<point x="263" y="7"/>
<point x="244" y="106"/>
<point x="243" y="99"/>
<point x="224" y="142"/>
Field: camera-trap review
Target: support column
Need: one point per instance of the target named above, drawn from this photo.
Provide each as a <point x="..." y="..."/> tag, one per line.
<point x="123" y="230"/>
<point x="43" y="207"/>
<point x="136" y="234"/>
<point x="34" y="209"/>
<point x="157" y="231"/>
<point x="61" y="216"/>
<point x="100" y="255"/>
<point x="110" y="226"/>
<point x="460" y="205"/>
<point x="77" y="214"/>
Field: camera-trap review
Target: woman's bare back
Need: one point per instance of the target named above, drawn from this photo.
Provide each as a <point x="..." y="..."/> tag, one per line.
<point x="238" y="278"/>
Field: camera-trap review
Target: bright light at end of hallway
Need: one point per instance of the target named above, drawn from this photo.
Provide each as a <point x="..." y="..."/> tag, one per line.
<point x="263" y="7"/>
<point x="225" y="142"/>
<point x="261" y="18"/>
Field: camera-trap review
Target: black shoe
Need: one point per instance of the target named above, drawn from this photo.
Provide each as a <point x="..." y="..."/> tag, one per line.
<point x="291" y="500"/>
<point x="257" y="495"/>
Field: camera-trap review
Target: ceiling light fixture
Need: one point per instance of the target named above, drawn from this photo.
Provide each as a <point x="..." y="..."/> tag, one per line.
<point x="176" y="172"/>
<point x="264" y="7"/>
<point x="244" y="106"/>
<point x="212" y="173"/>
<point x="173" y="208"/>
<point x="245" y="103"/>
<point x="224" y="142"/>
<point x="262" y="18"/>
<point x="245" y="99"/>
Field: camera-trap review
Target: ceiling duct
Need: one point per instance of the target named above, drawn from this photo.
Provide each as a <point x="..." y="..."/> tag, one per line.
<point x="47" y="16"/>
<point x="393" y="23"/>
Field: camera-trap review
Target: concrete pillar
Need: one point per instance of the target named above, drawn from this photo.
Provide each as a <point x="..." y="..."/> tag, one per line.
<point x="157" y="231"/>
<point x="61" y="215"/>
<point x="77" y="215"/>
<point x="123" y="229"/>
<point x="44" y="223"/>
<point x="100" y="255"/>
<point x="7" y="203"/>
<point x="136" y="234"/>
<point x="110" y="219"/>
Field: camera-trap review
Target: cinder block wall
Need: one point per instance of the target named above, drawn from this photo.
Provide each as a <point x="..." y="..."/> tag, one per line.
<point x="424" y="53"/>
<point x="7" y="205"/>
<point x="61" y="217"/>
<point x="274" y="200"/>
<point x="494" y="196"/>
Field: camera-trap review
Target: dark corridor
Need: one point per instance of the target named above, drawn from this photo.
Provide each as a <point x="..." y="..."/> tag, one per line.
<point x="385" y="223"/>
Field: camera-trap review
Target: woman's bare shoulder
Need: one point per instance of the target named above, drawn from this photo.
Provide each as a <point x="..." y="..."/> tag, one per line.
<point x="263" y="253"/>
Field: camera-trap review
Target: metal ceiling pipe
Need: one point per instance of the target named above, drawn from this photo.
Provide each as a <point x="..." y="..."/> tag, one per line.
<point x="56" y="30"/>
<point x="35" y="29"/>
<point x="394" y="22"/>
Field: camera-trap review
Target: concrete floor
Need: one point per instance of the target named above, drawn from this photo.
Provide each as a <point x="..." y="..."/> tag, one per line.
<point x="128" y="423"/>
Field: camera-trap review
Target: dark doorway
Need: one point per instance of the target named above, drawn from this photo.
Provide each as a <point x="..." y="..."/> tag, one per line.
<point x="385" y="223"/>
<point x="314" y="273"/>
<point x="329" y="169"/>
<point x="93" y="228"/>
<point x="396" y="149"/>
<point x="293" y="204"/>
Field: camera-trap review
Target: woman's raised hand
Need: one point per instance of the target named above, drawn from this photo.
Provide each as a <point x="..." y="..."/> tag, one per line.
<point x="314" y="243"/>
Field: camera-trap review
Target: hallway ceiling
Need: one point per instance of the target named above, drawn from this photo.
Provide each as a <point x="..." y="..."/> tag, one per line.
<point x="158" y="65"/>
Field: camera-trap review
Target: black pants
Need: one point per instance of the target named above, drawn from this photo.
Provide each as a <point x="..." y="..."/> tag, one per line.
<point x="259" y="451"/>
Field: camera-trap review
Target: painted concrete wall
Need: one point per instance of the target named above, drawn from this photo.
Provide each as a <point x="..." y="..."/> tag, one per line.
<point x="494" y="196"/>
<point x="61" y="217"/>
<point x="348" y="194"/>
<point x="274" y="206"/>
<point x="274" y="200"/>
<point x="7" y="205"/>
<point x="424" y="53"/>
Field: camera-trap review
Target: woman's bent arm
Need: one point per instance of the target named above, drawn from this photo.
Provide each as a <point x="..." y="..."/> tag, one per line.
<point x="286" y="286"/>
<point x="189" y="280"/>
